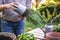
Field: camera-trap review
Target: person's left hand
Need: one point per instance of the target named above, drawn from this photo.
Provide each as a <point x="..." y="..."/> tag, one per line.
<point x="14" y="5"/>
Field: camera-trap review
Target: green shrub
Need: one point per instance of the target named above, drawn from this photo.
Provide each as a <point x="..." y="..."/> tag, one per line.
<point x="26" y="36"/>
<point x="57" y="28"/>
<point x="50" y="13"/>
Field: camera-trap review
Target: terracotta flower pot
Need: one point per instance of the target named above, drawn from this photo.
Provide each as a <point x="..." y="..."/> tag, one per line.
<point x="53" y="36"/>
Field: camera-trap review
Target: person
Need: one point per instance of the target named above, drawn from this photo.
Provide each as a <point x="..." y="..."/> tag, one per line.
<point x="12" y="21"/>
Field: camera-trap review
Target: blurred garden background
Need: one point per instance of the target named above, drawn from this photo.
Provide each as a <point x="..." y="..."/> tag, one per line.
<point x="42" y="13"/>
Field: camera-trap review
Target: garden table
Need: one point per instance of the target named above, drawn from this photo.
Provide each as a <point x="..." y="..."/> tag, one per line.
<point x="38" y="33"/>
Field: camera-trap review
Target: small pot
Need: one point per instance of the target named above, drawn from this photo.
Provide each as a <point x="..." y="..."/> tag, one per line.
<point x="7" y="36"/>
<point x="20" y="9"/>
<point x="48" y="28"/>
<point x="53" y="36"/>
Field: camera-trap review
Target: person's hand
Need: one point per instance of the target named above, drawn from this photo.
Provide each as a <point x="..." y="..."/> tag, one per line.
<point x="11" y="5"/>
<point x="14" y="4"/>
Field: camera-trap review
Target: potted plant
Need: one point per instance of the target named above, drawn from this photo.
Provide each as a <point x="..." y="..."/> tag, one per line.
<point x="50" y="13"/>
<point x="55" y="35"/>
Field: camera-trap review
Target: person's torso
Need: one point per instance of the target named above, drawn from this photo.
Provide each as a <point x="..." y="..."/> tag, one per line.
<point x="10" y="14"/>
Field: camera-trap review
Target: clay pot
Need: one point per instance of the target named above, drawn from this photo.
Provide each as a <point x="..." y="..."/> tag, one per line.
<point x="7" y="36"/>
<point x="53" y="36"/>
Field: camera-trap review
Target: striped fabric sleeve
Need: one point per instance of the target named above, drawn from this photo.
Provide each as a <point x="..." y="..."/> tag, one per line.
<point x="1" y="2"/>
<point x="28" y="3"/>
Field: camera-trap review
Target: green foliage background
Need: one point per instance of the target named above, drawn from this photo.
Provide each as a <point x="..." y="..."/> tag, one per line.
<point x="35" y="20"/>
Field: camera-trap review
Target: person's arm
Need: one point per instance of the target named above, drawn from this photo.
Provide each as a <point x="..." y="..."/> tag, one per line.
<point x="2" y="7"/>
<point x="7" y="6"/>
